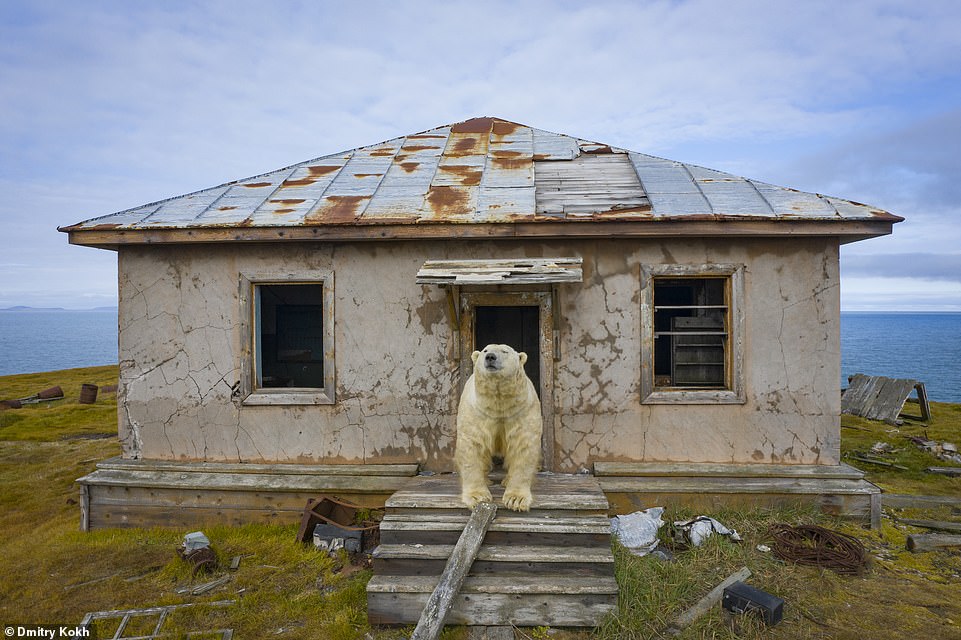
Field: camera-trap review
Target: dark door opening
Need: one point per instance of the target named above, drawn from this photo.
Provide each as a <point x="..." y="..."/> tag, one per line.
<point x="518" y="327"/>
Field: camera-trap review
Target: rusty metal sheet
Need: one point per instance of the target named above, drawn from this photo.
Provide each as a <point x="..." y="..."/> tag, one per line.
<point x="515" y="204"/>
<point x="510" y="160"/>
<point x="554" y="146"/>
<point x="669" y="186"/>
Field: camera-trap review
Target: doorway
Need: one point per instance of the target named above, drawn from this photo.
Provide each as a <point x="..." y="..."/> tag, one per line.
<point x="517" y="327"/>
<point x="525" y="321"/>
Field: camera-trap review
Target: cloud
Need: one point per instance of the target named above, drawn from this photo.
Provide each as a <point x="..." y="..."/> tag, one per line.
<point x="116" y="104"/>
<point x="944" y="267"/>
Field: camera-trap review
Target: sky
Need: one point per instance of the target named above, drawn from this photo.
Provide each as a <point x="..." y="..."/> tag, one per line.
<point x="110" y="105"/>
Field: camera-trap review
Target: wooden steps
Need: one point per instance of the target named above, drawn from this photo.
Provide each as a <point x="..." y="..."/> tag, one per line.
<point x="550" y="566"/>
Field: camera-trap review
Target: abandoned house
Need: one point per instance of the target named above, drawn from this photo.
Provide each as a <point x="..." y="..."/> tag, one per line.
<point x="307" y="331"/>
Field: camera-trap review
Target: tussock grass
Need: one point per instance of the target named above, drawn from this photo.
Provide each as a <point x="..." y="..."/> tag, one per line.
<point x="53" y="573"/>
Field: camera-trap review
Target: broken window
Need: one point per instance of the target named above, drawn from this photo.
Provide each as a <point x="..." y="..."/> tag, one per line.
<point x="289" y="335"/>
<point x="288" y="328"/>
<point x="691" y="342"/>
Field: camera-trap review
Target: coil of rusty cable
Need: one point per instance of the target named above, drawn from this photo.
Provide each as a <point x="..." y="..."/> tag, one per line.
<point x="816" y="546"/>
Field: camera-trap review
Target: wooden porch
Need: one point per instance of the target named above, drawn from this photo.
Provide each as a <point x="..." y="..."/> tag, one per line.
<point x="155" y="493"/>
<point x="839" y="490"/>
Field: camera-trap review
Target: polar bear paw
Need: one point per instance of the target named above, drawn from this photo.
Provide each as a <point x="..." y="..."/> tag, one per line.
<point x="475" y="497"/>
<point x="517" y="499"/>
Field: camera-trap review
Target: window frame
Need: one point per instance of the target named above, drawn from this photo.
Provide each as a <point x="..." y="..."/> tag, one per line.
<point x="734" y="393"/>
<point x="250" y="394"/>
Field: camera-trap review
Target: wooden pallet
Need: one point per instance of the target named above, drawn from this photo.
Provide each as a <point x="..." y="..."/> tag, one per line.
<point x="550" y="566"/>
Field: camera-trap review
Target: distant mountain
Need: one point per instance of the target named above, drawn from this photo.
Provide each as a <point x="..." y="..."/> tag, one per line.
<point x="23" y="308"/>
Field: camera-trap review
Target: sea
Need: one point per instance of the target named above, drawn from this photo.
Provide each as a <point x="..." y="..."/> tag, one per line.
<point x="921" y="346"/>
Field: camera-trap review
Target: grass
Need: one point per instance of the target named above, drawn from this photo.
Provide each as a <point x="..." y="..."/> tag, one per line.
<point x="54" y="573"/>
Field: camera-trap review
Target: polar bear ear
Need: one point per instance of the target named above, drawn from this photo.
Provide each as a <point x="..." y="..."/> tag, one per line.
<point x="522" y="357"/>
<point x="474" y="356"/>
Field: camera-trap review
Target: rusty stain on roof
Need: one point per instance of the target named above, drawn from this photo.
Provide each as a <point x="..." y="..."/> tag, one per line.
<point x="485" y="170"/>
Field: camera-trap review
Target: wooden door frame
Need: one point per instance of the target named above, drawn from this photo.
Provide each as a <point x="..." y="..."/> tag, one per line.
<point x="544" y="300"/>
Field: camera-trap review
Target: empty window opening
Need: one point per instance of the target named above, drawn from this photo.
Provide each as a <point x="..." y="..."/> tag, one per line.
<point x="289" y="335"/>
<point x="518" y="327"/>
<point x="691" y="333"/>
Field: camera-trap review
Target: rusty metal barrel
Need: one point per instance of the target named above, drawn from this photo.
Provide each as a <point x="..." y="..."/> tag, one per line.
<point x="51" y="393"/>
<point x="88" y="393"/>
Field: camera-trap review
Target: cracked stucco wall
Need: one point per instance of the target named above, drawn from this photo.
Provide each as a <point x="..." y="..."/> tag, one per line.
<point x="396" y="356"/>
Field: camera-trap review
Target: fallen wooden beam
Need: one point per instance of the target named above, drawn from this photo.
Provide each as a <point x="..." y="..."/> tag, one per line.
<point x="703" y="605"/>
<point x="933" y="524"/>
<point x="438" y="605"/>
<point x="954" y="472"/>
<point x="877" y="461"/>
<point x="932" y="542"/>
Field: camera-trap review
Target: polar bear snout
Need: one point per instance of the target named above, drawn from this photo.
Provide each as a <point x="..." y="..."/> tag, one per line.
<point x="491" y="361"/>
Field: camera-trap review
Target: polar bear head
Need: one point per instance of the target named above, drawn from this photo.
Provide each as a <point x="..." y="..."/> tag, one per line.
<point x="498" y="360"/>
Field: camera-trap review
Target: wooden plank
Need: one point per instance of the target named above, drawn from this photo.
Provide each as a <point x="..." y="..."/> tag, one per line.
<point x="923" y="402"/>
<point x="704" y="604"/>
<point x="517" y="585"/>
<point x="405" y="470"/>
<point x="439" y="602"/>
<point x="736" y="485"/>
<point x="919" y="543"/>
<point x="710" y="469"/>
<point x="953" y="472"/>
<point x="497" y="553"/>
<point x="244" y="481"/>
<point x="514" y="531"/>
<point x="152" y="497"/>
<point x="126" y="516"/>
<point x="550" y="491"/>
<point x="492" y="609"/>
<point x="939" y="525"/>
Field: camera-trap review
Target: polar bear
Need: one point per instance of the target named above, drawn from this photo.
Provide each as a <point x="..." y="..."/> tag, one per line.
<point x="499" y="415"/>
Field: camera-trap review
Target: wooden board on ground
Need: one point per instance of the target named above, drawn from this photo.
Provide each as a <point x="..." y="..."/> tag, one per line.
<point x="880" y="398"/>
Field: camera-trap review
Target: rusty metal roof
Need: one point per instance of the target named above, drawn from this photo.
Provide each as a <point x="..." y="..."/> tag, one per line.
<point x="483" y="170"/>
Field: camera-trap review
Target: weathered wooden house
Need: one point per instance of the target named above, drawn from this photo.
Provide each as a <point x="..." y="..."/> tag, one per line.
<point x="307" y="330"/>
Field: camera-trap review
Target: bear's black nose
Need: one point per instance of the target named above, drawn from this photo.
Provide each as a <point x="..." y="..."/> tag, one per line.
<point x="490" y="357"/>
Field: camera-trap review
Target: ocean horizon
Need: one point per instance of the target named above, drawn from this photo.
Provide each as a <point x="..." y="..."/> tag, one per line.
<point x="924" y="346"/>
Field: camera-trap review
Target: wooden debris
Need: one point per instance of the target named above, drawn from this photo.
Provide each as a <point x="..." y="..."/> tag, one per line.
<point x="954" y="472"/>
<point x="522" y="271"/>
<point x="880" y="398"/>
<point x="235" y="563"/>
<point x="431" y="621"/>
<point x="162" y="614"/>
<point x="877" y="461"/>
<point x="933" y="524"/>
<point x="703" y="605"/>
<point x="209" y="586"/>
<point x="932" y="542"/>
